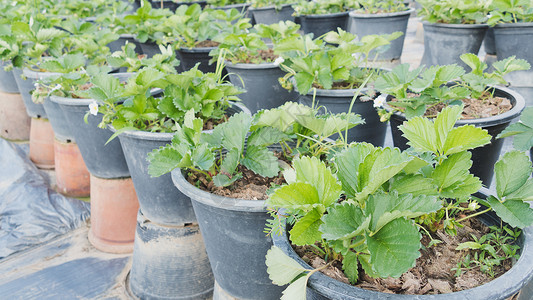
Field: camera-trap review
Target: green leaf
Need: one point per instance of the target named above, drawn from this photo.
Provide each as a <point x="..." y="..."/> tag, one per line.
<point x="327" y="125"/>
<point x="515" y="213"/>
<point x="314" y="172"/>
<point x="296" y="290"/>
<point x="202" y="157"/>
<point x="281" y="268"/>
<point x="163" y="160"/>
<point x="347" y="163"/>
<point x="343" y="221"/>
<point x="378" y="167"/>
<point x="414" y="184"/>
<point x="468" y="245"/>
<point x="421" y="134"/>
<point x="386" y="207"/>
<point x="266" y="136"/>
<point x="350" y="266"/>
<point x="474" y="63"/>
<point x="234" y="131"/>
<point x="299" y="195"/>
<point x="304" y="82"/>
<point x="452" y="169"/>
<point x="395" y="248"/>
<point x="225" y="180"/>
<point x="306" y="230"/>
<point x="230" y="161"/>
<point x="512" y="171"/>
<point x="524" y="193"/>
<point x="444" y="123"/>
<point x="261" y="161"/>
<point x="523" y="134"/>
<point x="465" y="138"/>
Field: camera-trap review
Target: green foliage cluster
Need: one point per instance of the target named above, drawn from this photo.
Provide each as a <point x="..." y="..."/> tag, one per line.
<point x="245" y="140"/>
<point x="337" y="57"/>
<point x="135" y="106"/>
<point x="245" y="46"/>
<point x="278" y="4"/>
<point x="381" y="6"/>
<point x="361" y="210"/>
<point x="455" y="11"/>
<point x="417" y="90"/>
<point x="219" y="3"/>
<point x="510" y="11"/>
<point x="523" y="131"/>
<point x="322" y="7"/>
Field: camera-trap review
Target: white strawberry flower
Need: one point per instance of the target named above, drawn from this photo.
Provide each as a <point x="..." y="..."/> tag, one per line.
<point x="380" y="100"/>
<point x="93" y="108"/>
<point x="279" y="61"/>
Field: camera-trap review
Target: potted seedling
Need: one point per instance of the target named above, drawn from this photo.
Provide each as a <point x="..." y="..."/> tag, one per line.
<point x="486" y="105"/>
<point x="328" y="71"/>
<point x="227" y="173"/>
<point x="381" y="17"/>
<point x="254" y="66"/>
<point x="270" y="12"/>
<point x="198" y="31"/>
<point x="240" y="5"/>
<point x="144" y="119"/>
<point x="452" y="28"/>
<point x="322" y="16"/>
<point x="367" y="218"/>
<point x="513" y="29"/>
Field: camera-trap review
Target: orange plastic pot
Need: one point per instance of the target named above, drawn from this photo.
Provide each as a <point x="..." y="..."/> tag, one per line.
<point x="42" y="143"/>
<point x="72" y="176"/>
<point x="14" y="122"/>
<point x="114" y="208"/>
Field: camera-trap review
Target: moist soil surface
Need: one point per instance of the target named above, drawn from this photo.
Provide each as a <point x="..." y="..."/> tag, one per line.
<point x="249" y="187"/>
<point x="477" y="109"/>
<point x="206" y="44"/>
<point x="433" y="272"/>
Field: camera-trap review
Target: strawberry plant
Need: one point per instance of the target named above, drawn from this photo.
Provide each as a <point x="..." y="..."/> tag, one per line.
<point x="510" y="11"/>
<point x="455" y="11"/>
<point x="361" y="210"/>
<point x="321" y="7"/>
<point x="380" y="6"/>
<point x="244" y="140"/>
<point x="337" y="58"/>
<point x="447" y="84"/>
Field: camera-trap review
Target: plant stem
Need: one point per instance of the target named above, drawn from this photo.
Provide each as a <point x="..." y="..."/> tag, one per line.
<point x="474" y="215"/>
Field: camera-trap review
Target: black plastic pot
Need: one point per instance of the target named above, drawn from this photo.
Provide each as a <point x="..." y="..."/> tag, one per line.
<point x="338" y="101"/>
<point x="169" y="262"/>
<point x="321" y="24"/>
<point x="7" y="80"/>
<point x="122" y="40"/>
<point x="159" y="200"/>
<point x="260" y="81"/>
<point x="102" y="160"/>
<point x="485" y="157"/>
<point x="190" y="57"/>
<point x="149" y="48"/>
<point x="269" y="15"/>
<point x="445" y="43"/>
<point x="25" y="87"/>
<point x="362" y="24"/>
<point x="488" y="42"/>
<point x="321" y="286"/>
<point x="516" y="39"/>
<point x="235" y="242"/>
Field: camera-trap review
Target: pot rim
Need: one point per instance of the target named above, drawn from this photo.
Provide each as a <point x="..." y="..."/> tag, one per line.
<point x="506" y="283"/>
<point x="455" y="26"/>
<point x="196" y="49"/>
<point x="513" y="25"/>
<point x="519" y="105"/>
<point x="38" y="75"/>
<point x="244" y="66"/>
<point x="355" y="14"/>
<point x="319" y="16"/>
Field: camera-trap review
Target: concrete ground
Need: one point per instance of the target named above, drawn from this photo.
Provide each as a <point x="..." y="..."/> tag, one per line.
<point x="69" y="267"/>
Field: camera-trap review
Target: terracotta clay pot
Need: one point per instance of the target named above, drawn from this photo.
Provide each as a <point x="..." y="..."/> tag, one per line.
<point x="72" y="175"/>
<point x="42" y="143"/>
<point x="114" y="208"/>
<point x="14" y="122"/>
